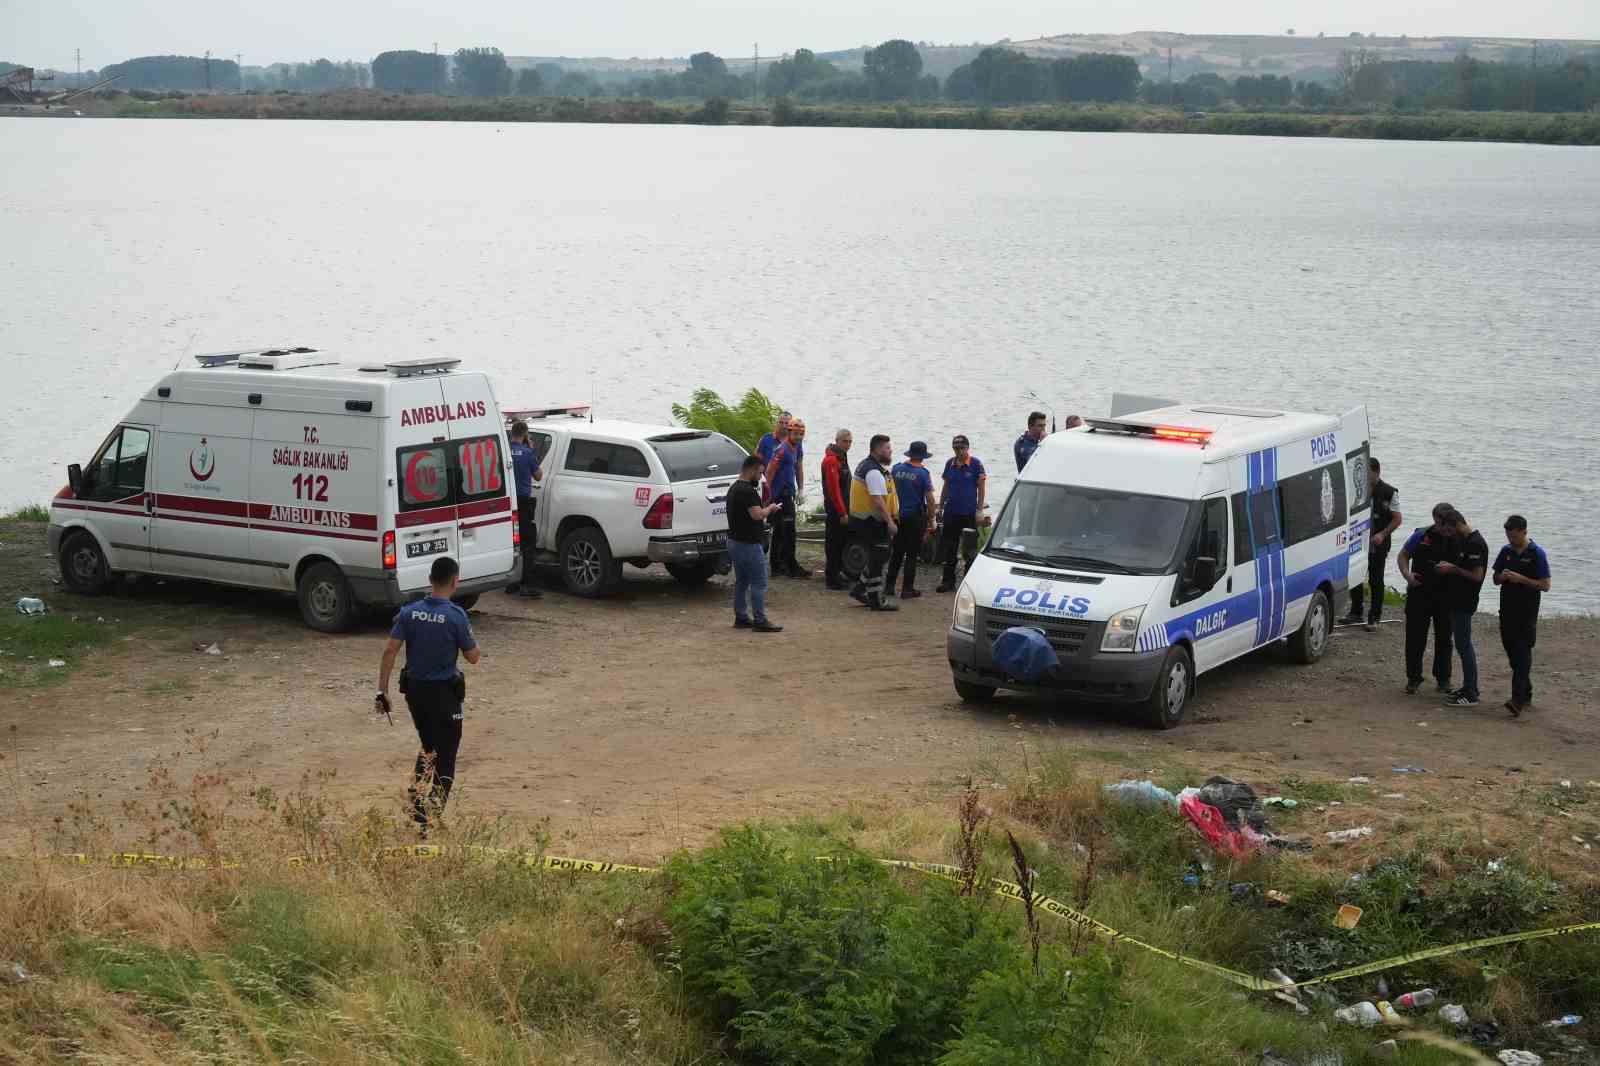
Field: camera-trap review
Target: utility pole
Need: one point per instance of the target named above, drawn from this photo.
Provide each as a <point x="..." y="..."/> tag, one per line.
<point x="1171" y="93"/>
<point x="77" y="62"/>
<point x="238" y="61"/>
<point x="755" y="82"/>
<point x="437" y="78"/>
<point x="208" y="70"/>
<point x="1533" y="79"/>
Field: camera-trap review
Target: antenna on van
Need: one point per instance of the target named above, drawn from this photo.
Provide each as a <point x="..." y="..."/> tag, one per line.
<point x="1036" y="398"/>
<point x="184" y="354"/>
<point x="591" y="396"/>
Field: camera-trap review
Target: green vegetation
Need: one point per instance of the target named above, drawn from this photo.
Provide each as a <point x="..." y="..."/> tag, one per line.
<point x="746" y="423"/>
<point x="33" y="512"/>
<point x="29" y="643"/>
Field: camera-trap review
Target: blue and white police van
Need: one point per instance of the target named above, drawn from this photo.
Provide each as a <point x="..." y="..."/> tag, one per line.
<point x="1163" y="541"/>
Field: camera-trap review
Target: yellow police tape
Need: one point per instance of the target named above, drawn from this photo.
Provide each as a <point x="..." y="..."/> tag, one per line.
<point x="1007" y="889"/>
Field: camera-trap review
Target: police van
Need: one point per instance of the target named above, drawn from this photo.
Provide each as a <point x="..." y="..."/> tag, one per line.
<point x="1163" y="541"/>
<point x="285" y="469"/>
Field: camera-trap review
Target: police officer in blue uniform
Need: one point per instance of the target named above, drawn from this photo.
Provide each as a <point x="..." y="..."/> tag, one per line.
<point x="433" y="630"/>
<point x="525" y="470"/>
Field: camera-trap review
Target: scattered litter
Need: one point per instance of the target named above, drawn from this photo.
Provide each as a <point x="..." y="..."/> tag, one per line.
<point x="1386" y="1009"/>
<point x="1455" y="1014"/>
<point x="1326" y="1058"/>
<point x="1349" y="916"/>
<point x="1191" y="880"/>
<point x="14" y="973"/>
<point x="57" y="662"/>
<point x="1241" y="891"/>
<point x="1484" y="1034"/>
<point x="1413" y="1000"/>
<point x="1494" y="866"/>
<point x="1409" y="769"/>
<point x="208" y="647"/>
<point x="1383" y="987"/>
<point x="30" y="605"/>
<point x="1394" y="795"/>
<point x="1279" y="801"/>
<point x="1386" y="1050"/>
<point x="1578" y="840"/>
<point x="1270" y="1058"/>
<point x="1359" y="780"/>
<point x="1564" y="1021"/>
<point x="1277" y="897"/>
<point x="1364" y="1014"/>
<point x="1422" y="725"/>
<point x="1564" y="784"/>
<point x="1142" y="794"/>
<point x="1512" y="1057"/>
<point x="1279" y="977"/>
<point x="1345" y="836"/>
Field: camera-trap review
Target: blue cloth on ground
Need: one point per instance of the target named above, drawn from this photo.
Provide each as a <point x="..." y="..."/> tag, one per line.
<point x="1024" y="653"/>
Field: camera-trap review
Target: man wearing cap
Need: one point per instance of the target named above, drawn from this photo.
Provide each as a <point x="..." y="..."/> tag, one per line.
<point x="960" y="503"/>
<point x="836" y="507"/>
<point x="874" y="513"/>
<point x="1522" y="570"/>
<point x="782" y="488"/>
<point x="1028" y="443"/>
<point x="913" y="486"/>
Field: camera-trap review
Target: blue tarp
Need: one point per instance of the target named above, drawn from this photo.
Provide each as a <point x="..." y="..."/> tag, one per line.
<point x="1024" y="653"/>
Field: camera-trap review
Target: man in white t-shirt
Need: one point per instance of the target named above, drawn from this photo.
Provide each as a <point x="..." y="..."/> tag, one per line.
<point x="874" y="521"/>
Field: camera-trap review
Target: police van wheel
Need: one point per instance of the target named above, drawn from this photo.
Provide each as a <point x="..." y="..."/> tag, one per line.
<point x="83" y="564"/>
<point x="974" y="693"/>
<point x="466" y="603"/>
<point x="692" y="574"/>
<point x="586" y="563"/>
<point x="1310" y="641"/>
<point x="326" y="600"/>
<point x="1170" y="698"/>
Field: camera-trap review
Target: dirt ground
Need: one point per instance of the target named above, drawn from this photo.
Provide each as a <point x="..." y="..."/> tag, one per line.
<point x="642" y="723"/>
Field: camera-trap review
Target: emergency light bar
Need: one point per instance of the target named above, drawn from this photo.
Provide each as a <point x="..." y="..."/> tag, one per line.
<point x="1188" y="434"/>
<point x="573" y="410"/>
<point x="405" y="368"/>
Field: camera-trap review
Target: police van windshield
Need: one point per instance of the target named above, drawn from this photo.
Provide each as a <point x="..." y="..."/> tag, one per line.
<point x="1089" y="529"/>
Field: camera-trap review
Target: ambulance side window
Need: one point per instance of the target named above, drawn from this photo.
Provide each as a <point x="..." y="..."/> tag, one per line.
<point x="424" y="476"/>
<point x="119" y="470"/>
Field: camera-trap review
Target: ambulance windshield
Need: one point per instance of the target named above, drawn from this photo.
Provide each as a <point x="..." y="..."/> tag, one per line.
<point x="1089" y="529"/>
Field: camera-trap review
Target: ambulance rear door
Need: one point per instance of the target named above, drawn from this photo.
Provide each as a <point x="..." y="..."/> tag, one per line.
<point x="424" y="511"/>
<point x="480" y="464"/>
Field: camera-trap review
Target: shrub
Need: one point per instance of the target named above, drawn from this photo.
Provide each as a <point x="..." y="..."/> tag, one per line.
<point x="745" y="423"/>
<point x="1053" y="1018"/>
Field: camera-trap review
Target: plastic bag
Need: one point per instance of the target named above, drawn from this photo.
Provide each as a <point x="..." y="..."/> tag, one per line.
<point x="1024" y="652"/>
<point x="1238" y="843"/>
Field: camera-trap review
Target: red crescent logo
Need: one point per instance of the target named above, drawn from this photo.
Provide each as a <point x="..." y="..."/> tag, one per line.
<point x="210" y="469"/>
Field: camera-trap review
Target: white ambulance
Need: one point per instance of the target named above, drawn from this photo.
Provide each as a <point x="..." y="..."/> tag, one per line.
<point x="1163" y="541"/>
<point x="286" y="469"/>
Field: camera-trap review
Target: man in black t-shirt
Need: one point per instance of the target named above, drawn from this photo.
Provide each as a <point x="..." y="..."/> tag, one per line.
<point x="1522" y="571"/>
<point x="1462" y="578"/>
<point x="1426" y="608"/>
<point x="747" y="535"/>
<point x="1386" y="519"/>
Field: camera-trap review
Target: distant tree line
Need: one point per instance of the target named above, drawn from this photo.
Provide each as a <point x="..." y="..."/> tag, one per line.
<point x="319" y="75"/>
<point x="1002" y="76"/>
<point x="174" y="72"/>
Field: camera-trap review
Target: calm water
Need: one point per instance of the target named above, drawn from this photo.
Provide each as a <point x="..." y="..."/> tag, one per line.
<point x="915" y="283"/>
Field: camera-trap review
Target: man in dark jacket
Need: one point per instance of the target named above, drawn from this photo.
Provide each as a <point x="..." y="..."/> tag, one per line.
<point x="836" y="507"/>
<point x="1427" y="606"/>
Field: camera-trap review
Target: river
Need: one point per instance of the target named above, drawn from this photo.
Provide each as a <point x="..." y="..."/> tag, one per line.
<point x="918" y="283"/>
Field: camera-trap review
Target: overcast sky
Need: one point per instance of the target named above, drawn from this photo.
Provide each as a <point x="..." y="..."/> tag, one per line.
<point x="45" y="32"/>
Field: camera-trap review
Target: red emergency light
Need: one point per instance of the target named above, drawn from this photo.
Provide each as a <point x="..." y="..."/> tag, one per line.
<point x="1183" y="433"/>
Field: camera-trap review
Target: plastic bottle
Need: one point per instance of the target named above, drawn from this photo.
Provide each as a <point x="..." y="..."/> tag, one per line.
<point x="1411" y="1000"/>
<point x="1364" y="1014"/>
<point x="1386" y="1012"/>
<point x="1564" y="1021"/>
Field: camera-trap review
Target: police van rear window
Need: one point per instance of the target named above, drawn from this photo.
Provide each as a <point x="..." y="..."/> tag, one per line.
<point x="450" y="472"/>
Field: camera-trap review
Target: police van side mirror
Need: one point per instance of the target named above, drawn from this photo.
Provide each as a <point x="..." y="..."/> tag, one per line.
<point x="1202" y="574"/>
<point x="75" y="479"/>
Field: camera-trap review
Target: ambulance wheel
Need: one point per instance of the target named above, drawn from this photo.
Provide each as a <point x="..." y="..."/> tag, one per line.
<point x="586" y="563"/>
<point x="974" y="693"/>
<point x="692" y="574"/>
<point x="1170" y="698"/>
<point x="326" y="600"/>
<point x="1310" y="641"/>
<point x="83" y="564"/>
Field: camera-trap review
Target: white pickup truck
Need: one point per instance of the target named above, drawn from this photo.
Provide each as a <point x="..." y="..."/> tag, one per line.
<point x="617" y="492"/>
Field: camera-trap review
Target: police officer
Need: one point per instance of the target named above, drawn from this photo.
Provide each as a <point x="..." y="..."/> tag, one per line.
<point x="525" y="468"/>
<point x="1426" y="603"/>
<point x="1028" y="443"/>
<point x="433" y="630"/>
<point x="1386" y="519"/>
<point x="1522" y="570"/>
<point x="961" y="504"/>
<point x="913" y="487"/>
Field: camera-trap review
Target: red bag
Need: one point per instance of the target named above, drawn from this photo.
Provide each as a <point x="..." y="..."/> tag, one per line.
<point x="1234" y="843"/>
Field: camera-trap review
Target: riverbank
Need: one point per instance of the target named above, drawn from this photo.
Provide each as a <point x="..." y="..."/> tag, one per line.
<point x="1520" y="127"/>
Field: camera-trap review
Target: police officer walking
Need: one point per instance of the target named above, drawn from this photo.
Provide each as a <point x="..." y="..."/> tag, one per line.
<point x="1522" y="570"/>
<point x="433" y="631"/>
<point x="913" y="487"/>
<point x="1426" y="603"/>
<point x="525" y="468"/>
<point x="961" y="503"/>
<point x="1386" y="519"/>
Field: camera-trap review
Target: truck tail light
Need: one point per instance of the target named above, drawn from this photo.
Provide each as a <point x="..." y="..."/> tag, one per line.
<point x="388" y="550"/>
<point x="516" y="533"/>
<point x="660" y="514"/>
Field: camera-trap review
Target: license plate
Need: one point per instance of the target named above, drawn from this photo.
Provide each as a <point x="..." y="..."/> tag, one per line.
<point x="714" y="540"/>
<point x="418" y="548"/>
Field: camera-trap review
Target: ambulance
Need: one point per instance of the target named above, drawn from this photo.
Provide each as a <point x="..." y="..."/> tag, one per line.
<point x="1158" y="543"/>
<point x="283" y="468"/>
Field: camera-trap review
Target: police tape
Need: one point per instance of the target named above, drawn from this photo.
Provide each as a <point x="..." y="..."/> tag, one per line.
<point x="1006" y="889"/>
